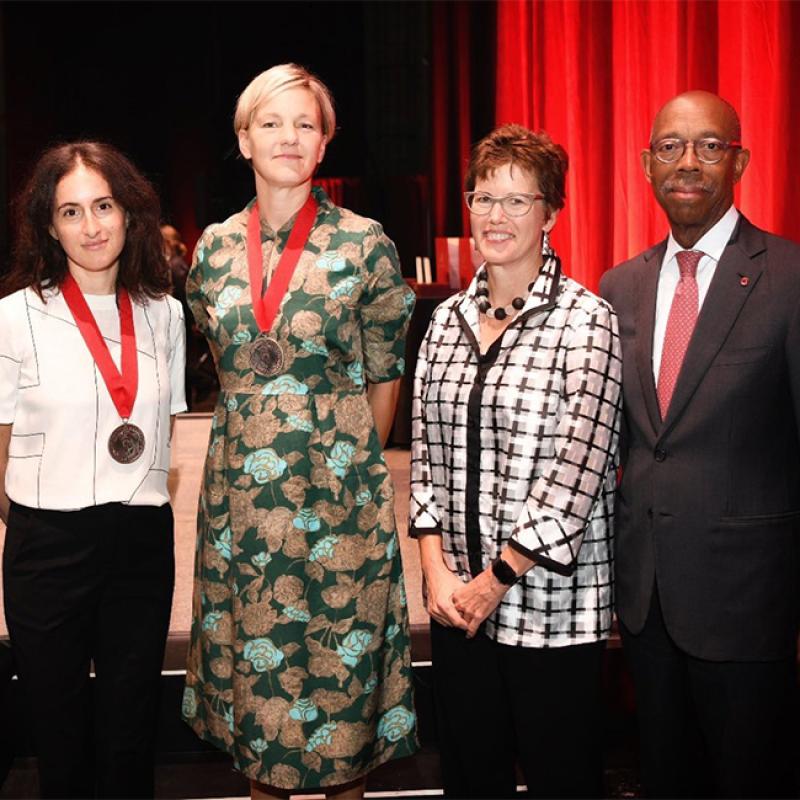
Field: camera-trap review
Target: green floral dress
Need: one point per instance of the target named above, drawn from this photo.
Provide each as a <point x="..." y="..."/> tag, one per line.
<point x="299" y="665"/>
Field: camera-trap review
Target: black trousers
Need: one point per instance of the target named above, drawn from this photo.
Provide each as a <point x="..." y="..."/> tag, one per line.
<point x="80" y="586"/>
<point x="709" y="728"/>
<point x="497" y="705"/>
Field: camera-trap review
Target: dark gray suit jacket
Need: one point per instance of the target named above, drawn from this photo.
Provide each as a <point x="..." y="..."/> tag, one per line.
<point x="709" y="503"/>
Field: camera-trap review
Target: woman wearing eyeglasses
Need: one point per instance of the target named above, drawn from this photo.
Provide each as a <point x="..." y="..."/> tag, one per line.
<point x="515" y="427"/>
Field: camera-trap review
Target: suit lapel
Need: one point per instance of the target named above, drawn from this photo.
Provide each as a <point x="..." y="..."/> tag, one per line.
<point x="736" y="276"/>
<point x="645" y="323"/>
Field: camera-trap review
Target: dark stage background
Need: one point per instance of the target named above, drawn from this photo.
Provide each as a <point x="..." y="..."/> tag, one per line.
<point x="416" y="83"/>
<point x="160" y="80"/>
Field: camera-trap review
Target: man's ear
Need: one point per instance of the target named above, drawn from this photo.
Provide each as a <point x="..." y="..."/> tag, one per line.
<point x="647" y="164"/>
<point x="742" y="159"/>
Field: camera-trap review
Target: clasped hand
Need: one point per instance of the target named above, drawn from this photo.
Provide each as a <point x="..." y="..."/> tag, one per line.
<point x="455" y="604"/>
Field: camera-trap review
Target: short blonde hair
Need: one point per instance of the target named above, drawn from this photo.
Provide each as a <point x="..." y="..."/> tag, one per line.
<point x="278" y="79"/>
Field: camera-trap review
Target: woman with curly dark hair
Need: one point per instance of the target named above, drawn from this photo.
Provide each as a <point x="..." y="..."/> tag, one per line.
<point x="91" y="369"/>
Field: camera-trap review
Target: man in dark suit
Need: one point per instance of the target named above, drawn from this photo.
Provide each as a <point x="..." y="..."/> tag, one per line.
<point x="708" y="510"/>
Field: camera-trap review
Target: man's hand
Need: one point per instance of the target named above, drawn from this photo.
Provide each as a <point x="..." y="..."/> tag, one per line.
<point x="476" y="600"/>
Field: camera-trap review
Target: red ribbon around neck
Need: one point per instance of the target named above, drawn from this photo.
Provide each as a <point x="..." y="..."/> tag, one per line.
<point x="265" y="308"/>
<point x="122" y="384"/>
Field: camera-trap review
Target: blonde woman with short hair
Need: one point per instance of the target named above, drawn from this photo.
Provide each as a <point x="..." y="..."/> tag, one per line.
<point x="299" y="664"/>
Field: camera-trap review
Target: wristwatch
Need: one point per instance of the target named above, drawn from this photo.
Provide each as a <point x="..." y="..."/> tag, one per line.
<point x="504" y="572"/>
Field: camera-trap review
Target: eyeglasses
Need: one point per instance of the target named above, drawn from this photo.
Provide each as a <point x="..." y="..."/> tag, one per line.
<point x="514" y="205"/>
<point x="709" y="150"/>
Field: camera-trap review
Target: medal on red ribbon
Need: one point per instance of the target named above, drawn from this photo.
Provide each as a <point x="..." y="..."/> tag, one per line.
<point x="126" y="443"/>
<point x="266" y="354"/>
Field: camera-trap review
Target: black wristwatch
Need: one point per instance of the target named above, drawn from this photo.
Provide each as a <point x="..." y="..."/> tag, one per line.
<point x="504" y="572"/>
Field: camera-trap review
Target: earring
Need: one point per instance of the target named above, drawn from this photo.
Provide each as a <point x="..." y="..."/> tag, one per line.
<point x="546" y="242"/>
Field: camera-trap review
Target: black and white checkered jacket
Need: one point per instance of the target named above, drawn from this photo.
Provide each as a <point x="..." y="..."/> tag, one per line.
<point x="519" y="446"/>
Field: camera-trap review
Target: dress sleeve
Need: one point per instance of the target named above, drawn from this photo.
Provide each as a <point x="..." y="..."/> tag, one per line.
<point x="10" y="365"/>
<point x="176" y="359"/>
<point x="551" y="527"/>
<point x="423" y="515"/>
<point x="194" y="282"/>
<point x="386" y="306"/>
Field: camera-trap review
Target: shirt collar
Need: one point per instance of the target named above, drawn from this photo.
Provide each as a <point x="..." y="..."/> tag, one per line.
<point x="542" y="287"/>
<point x="541" y="297"/>
<point x="712" y="242"/>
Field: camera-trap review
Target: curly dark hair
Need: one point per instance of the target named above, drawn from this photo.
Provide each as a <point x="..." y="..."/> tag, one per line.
<point x="536" y="153"/>
<point x="39" y="261"/>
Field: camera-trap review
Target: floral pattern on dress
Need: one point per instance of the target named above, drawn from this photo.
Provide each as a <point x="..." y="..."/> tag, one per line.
<point x="299" y="664"/>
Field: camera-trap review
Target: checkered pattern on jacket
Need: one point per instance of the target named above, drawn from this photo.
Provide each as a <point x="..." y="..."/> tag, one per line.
<point x="545" y="424"/>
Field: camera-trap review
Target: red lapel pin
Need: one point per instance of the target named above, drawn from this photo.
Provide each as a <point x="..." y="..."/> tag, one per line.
<point x="744" y="280"/>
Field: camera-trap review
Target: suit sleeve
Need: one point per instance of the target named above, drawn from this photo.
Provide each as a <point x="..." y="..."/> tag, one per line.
<point x="793" y="361"/>
<point x="606" y="292"/>
<point x="552" y="523"/>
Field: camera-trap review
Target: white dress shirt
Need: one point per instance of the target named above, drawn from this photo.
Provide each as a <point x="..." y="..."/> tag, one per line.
<point x="61" y="412"/>
<point x="711" y="244"/>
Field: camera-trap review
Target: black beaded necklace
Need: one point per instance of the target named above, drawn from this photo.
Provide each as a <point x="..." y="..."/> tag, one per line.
<point x="485" y="307"/>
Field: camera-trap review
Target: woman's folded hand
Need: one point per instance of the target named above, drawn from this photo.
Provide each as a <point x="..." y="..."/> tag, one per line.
<point x="442" y="585"/>
<point x="475" y="600"/>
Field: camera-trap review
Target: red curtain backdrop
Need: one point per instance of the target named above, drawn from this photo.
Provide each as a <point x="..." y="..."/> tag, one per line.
<point x="593" y="74"/>
<point x="452" y="127"/>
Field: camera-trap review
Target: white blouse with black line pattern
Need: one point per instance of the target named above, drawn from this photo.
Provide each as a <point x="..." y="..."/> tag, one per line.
<point x="519" y="447"/>
<point x="61" y="412"/>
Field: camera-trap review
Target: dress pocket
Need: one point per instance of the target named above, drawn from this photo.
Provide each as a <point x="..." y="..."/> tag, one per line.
<point x="348" y="439"/>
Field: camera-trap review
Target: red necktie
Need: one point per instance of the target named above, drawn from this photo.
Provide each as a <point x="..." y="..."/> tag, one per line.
<point x="680" y="324"/>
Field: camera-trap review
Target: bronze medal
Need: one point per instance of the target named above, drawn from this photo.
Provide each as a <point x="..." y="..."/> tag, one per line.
<point x="266" y="356"/>
<point x="126" y="443"/>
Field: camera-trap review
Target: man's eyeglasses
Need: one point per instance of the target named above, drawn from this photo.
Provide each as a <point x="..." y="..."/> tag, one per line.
<point x="709" y="150"/>
<point x="514" y="205"/>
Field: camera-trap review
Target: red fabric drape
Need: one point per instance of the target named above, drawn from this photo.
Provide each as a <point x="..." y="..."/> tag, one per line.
<point x="593" y="74"/>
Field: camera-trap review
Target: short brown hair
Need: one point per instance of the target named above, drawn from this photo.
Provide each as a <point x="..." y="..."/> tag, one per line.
<point x="536" y="153"/>
<point x="38" y="259"/>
